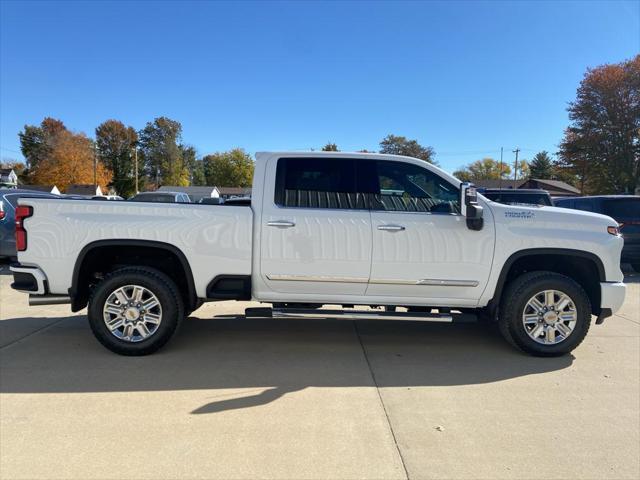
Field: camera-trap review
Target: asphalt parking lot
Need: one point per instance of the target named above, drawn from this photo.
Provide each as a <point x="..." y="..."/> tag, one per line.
<point x="237" y="398"/>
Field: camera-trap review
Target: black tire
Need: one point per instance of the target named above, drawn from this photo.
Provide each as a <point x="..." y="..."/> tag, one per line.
<point x="514" y="301"/>
<point x="154" y="281"/>
<point x="636" y="266"/>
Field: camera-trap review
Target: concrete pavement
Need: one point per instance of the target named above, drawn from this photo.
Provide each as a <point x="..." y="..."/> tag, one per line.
<point x="236" y="398"/>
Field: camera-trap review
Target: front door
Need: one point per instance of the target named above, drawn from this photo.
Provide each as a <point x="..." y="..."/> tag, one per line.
<point x="422" y="248"/>
<point x="315" y="229"/>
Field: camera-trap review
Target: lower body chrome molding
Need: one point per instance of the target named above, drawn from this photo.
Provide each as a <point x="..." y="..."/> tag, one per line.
<point x="433" y="282"/>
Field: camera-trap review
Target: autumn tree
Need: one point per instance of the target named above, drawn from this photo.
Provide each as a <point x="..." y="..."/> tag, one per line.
<point x="229" y="169"/>
<point x="116" y="145"/>
<point x="37" y="141"/>
<point x="162" y="152"/>
<point x="601" y="146"/>
<point x="69" y="161"/>
<point x="397" y="145"/>
<point x="523" y="169"/>
<point x="541" y="166"/>
<point x="485" y="169"/>
<point x="330" y="147"/>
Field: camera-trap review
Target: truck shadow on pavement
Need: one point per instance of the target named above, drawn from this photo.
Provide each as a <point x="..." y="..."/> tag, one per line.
<point x="270" y="357"/>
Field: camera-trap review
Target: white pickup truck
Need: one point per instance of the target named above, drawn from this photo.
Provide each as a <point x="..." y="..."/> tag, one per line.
<point x="394" y="234"/>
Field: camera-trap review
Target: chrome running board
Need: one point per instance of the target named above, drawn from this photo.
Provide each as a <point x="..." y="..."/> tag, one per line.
<point x="298" y="313"/>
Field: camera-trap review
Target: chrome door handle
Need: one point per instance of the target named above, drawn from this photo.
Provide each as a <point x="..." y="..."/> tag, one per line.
<point x="391" y="228"/>
<point x="281" y="223"/>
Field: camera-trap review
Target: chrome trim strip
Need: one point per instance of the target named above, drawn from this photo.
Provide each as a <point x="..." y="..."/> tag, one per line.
<point x="360" y="315"/>
<point x="433" y="282"/>
<point x="316" y="278"/>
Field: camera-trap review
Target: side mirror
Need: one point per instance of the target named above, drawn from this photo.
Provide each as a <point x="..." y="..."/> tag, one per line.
<point x="469" y="206"/>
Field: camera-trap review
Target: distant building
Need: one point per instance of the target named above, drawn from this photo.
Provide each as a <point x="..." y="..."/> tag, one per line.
<point x="195" y="193"/>
<point x="42" y="188"/>
<point x="228" y="192"/>
<point x="83" y="189"/>
<point x="8" y="178"/>
<point x="556" y="188"/>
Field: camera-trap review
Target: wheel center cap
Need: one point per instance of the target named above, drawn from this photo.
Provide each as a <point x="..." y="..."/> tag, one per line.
<point x="551" y="318"/>
<point x="131" y="313"/>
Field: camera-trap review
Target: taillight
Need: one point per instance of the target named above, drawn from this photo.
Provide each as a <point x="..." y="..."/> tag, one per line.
<point x="22" y="212"/>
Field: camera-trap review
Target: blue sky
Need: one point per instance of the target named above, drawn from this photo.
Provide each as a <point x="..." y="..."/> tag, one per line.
<point x="463" y="77"/>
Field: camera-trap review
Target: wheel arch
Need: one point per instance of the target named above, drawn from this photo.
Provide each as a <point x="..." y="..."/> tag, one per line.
<point x="80" y="291"/>
<point x="585" y="268"/>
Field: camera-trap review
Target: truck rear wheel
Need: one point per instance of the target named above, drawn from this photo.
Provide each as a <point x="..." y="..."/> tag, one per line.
<point x="135" y="310"/>
<point x="544" y="314"/>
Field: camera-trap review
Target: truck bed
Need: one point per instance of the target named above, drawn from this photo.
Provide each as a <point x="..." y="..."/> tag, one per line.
<point x="214" y="239"/>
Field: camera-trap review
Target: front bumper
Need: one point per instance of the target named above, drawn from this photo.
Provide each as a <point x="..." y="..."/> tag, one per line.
<point x="611" y="299"/>
<point x="30" y="280"/>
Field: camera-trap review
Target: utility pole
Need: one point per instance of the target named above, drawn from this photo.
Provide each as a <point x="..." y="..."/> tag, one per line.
<point x="95" y="166"/>
<point x="515" y="169"/>
<point x="135" y="154"/>
<point x="501" y="167"/>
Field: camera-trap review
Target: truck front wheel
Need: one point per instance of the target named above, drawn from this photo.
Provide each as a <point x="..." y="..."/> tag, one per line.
<point x="544" y="314"/>
<point x="135" y="310"/>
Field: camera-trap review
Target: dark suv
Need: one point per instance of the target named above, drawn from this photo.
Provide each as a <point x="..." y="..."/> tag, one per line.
<point x="624" y="209"/>
<point x="511" y="196"/>
<point x="8" y="201"/>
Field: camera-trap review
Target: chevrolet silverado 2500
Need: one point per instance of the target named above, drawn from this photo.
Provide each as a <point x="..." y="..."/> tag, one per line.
<point x="321" y="229"/>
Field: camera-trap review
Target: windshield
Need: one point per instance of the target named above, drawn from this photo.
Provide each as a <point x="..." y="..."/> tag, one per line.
<point x="519" y="198"/>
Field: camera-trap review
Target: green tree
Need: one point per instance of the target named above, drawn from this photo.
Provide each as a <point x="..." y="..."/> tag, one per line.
<point x="116" y="145"/>
<point x="485" y="169"/>
<point x="396" y="145"/>
<point x="162" y="152"/>
<point x="229" y="169"/>
<point x="37" y="142"/>
<point x="601" y="146"/>
<point x="330" y="147"/>
<point x="194" y="166"/>
<point x="541" y="166"/>
<point x="198" y="176"/>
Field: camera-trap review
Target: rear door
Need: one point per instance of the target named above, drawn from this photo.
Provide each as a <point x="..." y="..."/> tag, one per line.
<point x="422" y="247"/>
<point x="316" y="229"/>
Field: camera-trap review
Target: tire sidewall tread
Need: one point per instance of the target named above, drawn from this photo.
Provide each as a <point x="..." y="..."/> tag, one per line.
<point x="161" y="285"/>
<point x="518" y="294"/>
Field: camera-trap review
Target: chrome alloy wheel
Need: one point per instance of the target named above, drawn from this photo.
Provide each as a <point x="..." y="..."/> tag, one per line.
<point x="132" y="313"/>
<point x="549" y="317"/>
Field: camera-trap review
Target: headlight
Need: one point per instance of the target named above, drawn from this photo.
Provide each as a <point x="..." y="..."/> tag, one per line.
<point x="614" y="230"/>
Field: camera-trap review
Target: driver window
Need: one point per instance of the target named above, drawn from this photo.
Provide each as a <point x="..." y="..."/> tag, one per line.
<point x="405" y="187"/>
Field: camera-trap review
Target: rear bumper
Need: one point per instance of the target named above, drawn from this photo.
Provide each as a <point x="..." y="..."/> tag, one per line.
<point x="30" y="280"/>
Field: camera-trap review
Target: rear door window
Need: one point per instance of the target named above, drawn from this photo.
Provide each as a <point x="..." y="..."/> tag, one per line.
<point x="317" y="183"/>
